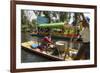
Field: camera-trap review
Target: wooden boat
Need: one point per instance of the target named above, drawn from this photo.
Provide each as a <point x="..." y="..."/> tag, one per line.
<point x="27" y="46"/>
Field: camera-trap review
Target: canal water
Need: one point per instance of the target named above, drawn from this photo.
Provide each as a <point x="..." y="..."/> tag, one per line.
<point x="27" y="57"/>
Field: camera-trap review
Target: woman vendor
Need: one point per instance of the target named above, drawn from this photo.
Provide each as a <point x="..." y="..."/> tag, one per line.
<point x="45" y="42"/>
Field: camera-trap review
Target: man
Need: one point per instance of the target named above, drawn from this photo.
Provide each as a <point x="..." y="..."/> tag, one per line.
<point x="84" y="51"/>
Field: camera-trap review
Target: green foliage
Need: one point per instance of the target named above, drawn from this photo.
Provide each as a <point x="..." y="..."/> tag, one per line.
<point x="26" y="25"/>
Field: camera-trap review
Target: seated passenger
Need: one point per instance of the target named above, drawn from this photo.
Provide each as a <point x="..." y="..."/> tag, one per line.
<point x="45" y="42"/>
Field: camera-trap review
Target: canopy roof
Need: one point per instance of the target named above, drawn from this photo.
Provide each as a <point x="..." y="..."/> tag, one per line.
<point x="51" y="25"/>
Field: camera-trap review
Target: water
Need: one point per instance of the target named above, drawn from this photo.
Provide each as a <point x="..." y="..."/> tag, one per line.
<point x="27" y="57"/>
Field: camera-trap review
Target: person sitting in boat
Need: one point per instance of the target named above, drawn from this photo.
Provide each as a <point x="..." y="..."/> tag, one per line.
<point x="45" y="42"/>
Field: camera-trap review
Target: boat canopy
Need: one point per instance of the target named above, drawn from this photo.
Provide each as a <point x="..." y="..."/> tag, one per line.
<point x="51" y="25"/>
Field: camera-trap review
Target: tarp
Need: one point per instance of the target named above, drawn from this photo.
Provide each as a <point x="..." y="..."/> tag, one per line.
<point x="52" y="25"/>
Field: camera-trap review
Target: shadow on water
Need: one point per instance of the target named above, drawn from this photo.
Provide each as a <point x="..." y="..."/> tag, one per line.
<point x="27" y="56"/>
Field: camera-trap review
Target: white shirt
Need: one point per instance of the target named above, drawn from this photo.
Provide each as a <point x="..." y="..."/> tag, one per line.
<point x="85" y="34"/>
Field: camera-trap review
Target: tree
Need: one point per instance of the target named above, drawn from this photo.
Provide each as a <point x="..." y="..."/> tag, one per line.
<point x="26" y="24"/>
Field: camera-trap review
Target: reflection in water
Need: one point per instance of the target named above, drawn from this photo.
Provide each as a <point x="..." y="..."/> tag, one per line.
<point x="27" y="56"/>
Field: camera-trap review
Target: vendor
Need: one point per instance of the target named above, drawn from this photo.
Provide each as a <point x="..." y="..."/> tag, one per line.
<point x="47" y="39"/>
<point x="84" y="51"/>
<point x="45" y="42"/>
